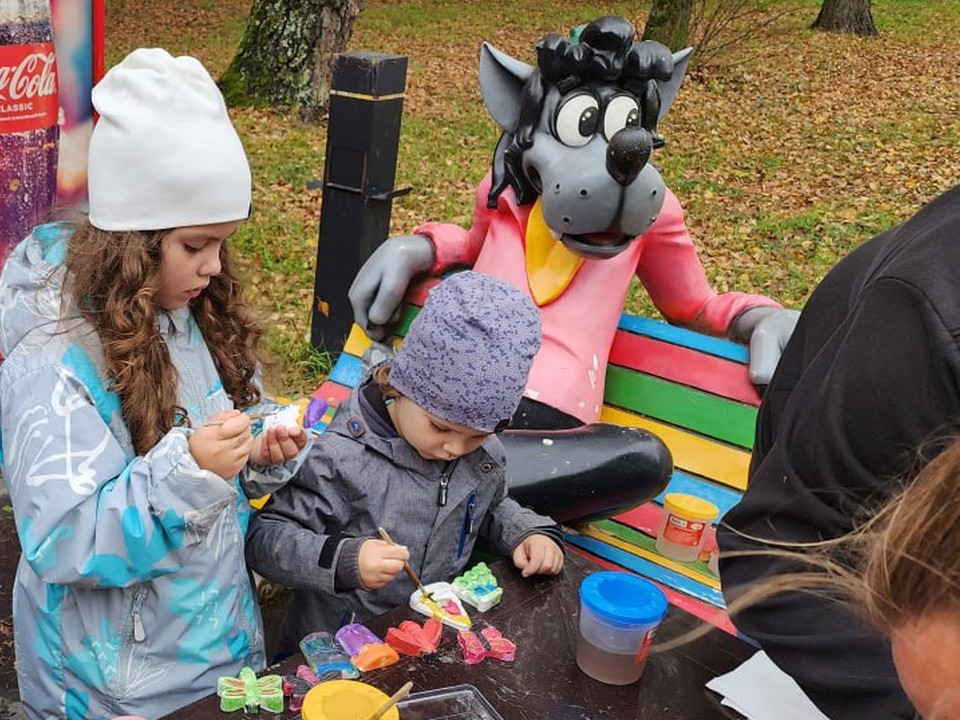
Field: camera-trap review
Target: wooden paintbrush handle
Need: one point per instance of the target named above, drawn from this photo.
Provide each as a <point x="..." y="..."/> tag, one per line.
<point x="385" y="536"/>
<point x="393" y="700"/>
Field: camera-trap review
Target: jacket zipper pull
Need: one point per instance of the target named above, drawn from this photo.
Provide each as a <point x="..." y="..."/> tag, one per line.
<point x="445" y="481"/>
<point x="139" y="635"/>
<point x="442" y="497"/>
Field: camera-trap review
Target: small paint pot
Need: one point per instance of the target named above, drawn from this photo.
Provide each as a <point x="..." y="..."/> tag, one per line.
<point x="682" y="527"/>
<point x="619" y="616"/>
<point x="345" y="700"/>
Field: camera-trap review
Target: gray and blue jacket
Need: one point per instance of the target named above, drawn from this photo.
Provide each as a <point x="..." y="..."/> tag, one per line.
<point x="132" y="595"/>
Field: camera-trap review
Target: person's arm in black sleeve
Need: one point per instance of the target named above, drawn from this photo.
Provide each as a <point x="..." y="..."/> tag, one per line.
<point x="883" y="384"/>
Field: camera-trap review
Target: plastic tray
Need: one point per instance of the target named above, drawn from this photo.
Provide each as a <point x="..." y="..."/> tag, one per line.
<point x="457" y="702"/>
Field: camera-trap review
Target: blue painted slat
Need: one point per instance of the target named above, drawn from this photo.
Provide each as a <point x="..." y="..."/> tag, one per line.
<point x="687" y="338"/>
<point x="646" y="568"/>
<point x="347" y="371"/>
<point x="724" y="498"/>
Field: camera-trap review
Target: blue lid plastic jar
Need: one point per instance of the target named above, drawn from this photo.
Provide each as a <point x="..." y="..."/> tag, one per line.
<point x="623" y="599"/>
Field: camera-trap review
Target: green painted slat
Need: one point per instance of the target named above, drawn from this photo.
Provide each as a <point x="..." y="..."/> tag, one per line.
<point x="409" y="313"/>
<point x="680" y="405"/>
<point x="635" y="537"/>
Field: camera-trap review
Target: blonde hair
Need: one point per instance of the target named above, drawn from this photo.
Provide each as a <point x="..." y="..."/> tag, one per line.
<point x="381" y="376"/>
<point x="111" y="279"/>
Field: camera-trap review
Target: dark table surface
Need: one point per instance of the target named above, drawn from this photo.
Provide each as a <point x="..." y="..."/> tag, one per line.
<point x="543" y="682"/>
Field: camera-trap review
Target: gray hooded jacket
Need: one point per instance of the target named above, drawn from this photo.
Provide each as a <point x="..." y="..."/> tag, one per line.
<point x="354" y="481"/>
<point x="132" y="596"/>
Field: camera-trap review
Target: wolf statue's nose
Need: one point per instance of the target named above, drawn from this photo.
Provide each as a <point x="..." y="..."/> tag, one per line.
<point x="628" y="151"/>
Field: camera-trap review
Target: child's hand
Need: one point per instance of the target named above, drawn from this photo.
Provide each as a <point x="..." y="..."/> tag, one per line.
<point x="380" y="562"/>
<point x="222" y="446"/>
<point x="538" y="554"/>
<point x="278" y="444"/>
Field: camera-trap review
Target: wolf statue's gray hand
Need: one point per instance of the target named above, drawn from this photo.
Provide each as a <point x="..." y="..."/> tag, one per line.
<point x="378" y="289"/>
<point x="768" y="329"/>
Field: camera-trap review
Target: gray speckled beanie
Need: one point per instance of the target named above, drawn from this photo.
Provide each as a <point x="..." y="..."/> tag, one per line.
<point x="467" y="354"/>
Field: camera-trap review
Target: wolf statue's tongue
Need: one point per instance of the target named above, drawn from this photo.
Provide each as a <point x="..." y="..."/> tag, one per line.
<point x="550" y="266"/>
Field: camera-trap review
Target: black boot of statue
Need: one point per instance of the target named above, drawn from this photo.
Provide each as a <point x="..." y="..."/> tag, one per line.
<point x="581" y="472"/>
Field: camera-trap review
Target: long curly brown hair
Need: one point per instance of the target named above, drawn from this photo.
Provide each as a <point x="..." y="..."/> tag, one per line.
<point x="111" y="280"/>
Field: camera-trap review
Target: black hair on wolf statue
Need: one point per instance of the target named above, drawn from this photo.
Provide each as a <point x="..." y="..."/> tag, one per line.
<point x="603" y="53"/>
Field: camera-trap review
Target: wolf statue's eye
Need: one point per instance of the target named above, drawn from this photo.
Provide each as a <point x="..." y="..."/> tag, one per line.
<point x="577" y="120"/>
<point x="621" y="111"/>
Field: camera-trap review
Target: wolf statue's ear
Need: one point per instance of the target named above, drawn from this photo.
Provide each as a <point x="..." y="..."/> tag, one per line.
<point x="501" y="82"/>
<point x="670" y="88"/>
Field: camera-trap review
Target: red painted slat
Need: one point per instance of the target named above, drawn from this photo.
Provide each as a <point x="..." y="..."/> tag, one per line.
<point x="333" y="393"/>
<point x="685" y="366"/>
<point x="418" y="293"/>
<point x="646" y="519"/>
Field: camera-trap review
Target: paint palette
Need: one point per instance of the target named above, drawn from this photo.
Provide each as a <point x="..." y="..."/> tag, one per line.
<point x="445" y="606"/>
<point x="458" y="702"/>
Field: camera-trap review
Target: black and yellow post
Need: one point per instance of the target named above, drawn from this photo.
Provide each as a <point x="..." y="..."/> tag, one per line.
<point x="363" y="134"/>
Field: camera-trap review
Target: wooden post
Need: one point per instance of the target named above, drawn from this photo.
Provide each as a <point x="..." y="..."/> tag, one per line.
<point x="363" y="133"/>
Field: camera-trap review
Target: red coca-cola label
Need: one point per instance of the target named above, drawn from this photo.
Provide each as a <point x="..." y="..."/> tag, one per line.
<point x="28" y="87"/>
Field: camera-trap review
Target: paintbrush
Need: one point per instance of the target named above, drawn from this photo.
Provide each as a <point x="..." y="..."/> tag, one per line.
<point x="255" y="415"/>
<point x="385" y="536"/>
<point x="391" y="701"/>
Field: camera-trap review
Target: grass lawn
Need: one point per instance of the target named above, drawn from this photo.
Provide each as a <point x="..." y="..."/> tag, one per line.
<point x="797" y="148"/>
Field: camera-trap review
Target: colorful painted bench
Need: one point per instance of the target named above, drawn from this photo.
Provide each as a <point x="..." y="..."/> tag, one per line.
<point x="692" y="391"/>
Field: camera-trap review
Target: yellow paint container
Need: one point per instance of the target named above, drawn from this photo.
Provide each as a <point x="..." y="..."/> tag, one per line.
<point x="682" y="527"/>
<point x="345" y="700"/>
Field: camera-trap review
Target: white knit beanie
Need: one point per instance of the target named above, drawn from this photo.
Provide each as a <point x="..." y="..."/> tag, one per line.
<point x="164" y="153"/>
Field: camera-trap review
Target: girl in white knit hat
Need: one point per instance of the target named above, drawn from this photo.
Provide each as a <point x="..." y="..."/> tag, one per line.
<point x="130" y="356"/>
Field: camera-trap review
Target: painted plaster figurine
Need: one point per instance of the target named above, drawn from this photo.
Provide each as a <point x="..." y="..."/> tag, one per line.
<point x="487" y="642"/>
<point x="571" y="211"/>
<point x="326" y="657"/>
<point x="408" y="638"/>
<point x="297" y="686"/>
<point x="478" y="587"/>
<point x="249" y="693"/>
<point x="444" y="605"/>
<point x="366" y="650"/>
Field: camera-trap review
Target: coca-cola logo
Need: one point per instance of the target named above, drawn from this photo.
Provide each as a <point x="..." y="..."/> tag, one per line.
<point x="34" y="77"/>
<point x="28" y="87"/>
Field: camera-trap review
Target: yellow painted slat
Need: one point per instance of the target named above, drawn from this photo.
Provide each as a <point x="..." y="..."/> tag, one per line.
<point x="358" y="342"/>
<point x="613" y="541"/>
<point x="694" y="453"/>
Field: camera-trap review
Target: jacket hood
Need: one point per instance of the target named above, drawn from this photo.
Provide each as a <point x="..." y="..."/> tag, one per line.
<point x="31" y="283"/>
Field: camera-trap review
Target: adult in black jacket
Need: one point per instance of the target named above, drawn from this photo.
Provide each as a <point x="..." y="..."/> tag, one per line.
<point x="870" y="375"/>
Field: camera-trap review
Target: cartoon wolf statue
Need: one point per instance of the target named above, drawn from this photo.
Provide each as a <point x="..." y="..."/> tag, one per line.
<point x="571" y="210"/>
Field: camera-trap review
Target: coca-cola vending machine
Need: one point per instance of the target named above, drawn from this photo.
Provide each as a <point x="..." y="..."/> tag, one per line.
<point x="51" y="53"/>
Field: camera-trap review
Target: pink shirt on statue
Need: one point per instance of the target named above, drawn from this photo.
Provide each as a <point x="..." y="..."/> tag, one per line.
<point x="578" y="326"/>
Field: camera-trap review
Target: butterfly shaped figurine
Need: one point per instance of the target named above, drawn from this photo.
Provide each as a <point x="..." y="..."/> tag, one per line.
<point x="488" y="642"/>
<point x="249" y="693"/>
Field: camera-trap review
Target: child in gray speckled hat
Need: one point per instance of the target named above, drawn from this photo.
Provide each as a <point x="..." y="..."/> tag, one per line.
<point x="468" y="353"/>
<point x="414" y="451"/>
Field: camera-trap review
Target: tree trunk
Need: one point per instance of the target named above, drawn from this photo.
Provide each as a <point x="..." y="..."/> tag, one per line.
<point x="846" y="16"/>
<point x="286" y="55"/>
<point x="669" y="23"/>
